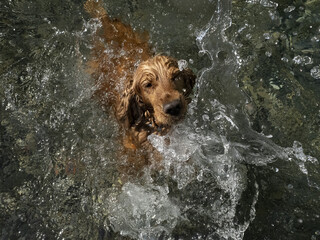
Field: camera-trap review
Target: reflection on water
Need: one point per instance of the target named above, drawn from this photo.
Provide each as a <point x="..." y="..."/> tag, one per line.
<point x="243" y="164"/>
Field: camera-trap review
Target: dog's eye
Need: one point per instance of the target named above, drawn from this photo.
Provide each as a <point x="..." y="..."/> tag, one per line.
<point x="148" y="85"/>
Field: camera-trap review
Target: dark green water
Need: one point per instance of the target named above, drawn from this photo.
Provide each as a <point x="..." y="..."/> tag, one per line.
<point x="243" y="165"/>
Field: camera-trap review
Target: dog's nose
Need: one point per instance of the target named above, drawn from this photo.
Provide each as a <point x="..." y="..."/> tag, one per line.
<point x="173" y="108"/>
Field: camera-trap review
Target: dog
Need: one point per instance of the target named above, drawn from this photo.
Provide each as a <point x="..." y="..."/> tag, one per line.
<point x="148" y="94"/>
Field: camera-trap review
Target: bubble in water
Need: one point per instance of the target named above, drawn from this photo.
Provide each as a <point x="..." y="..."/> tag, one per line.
<point x="315" y="72"/>
<point x="307" y="60"/>
<point x="268" y="54"/>
<point x="297" y="59"/>
<point x="183" y="64"/>
<point x="302" y="60"/>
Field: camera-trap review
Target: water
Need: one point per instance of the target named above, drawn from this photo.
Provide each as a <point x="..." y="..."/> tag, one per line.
<point x="242" y="165"/>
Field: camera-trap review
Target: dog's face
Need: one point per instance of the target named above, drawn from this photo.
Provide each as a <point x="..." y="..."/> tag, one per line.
<point x="161" y="89"/>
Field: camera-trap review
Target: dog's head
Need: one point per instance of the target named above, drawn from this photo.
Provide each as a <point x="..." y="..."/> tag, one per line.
<point x="159" y="90"/>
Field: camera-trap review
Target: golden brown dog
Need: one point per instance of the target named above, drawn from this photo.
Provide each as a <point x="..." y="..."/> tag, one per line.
<point x="147" y="94"/>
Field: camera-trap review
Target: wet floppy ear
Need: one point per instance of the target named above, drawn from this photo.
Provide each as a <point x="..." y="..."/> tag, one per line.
<point x="129" y="111"/>
<point x="189" y="80"/>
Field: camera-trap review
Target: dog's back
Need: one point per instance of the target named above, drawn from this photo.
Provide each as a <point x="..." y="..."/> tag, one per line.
<point x="117" y="50"/>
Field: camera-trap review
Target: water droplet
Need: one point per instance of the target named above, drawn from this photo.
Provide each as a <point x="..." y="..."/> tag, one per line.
<point x="267" y="36"/>
<point x="315" y="39"/>
<point x="289" y="9"/>
<point x="200" y="176"/>
<point x="205" y="117"/>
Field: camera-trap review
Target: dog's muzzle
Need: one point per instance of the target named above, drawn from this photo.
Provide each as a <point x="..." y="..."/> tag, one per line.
<point x="173" y="108"/>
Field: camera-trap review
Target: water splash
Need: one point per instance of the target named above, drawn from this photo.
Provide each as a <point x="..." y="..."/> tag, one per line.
<point x="143" y="212"/>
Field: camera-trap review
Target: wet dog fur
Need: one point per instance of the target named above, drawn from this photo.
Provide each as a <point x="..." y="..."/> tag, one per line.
<point x="147" y="93"/>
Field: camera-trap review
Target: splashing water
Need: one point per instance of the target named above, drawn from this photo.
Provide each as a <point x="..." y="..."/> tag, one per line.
<point x="223" y="175"/>
<point x="143" y="212"/>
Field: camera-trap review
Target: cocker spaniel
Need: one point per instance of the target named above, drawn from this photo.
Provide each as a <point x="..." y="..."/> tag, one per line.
<point x="147" y="93"/>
